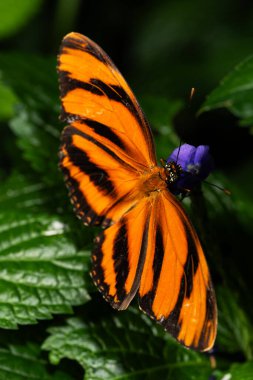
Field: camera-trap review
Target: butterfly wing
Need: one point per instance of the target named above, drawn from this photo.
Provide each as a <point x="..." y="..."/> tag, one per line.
<point x="175" y="287"/>
<point x="149" y="245"/>
<point x="108" y="142"/>
<point x="154" y="249"/>
<point x="119" y="256"/>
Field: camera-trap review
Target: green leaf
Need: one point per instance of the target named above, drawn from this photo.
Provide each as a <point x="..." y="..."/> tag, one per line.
<point x="8" y="100"/>
<point x="25" y="362"/>
<point x="224" y="225"/>
<point x="237" y="371"/>
<point x="235" y="332"/>
<point x="235" y="92"/>
<point x="41" y="270"/>
<point x="35" y="81"/>
<point x="242" y="371"/>
<point x="39" y="142"/>
<point x="117" y="348"/>
<point x="27" y="195"/>
<point x="35" y="122"/>
<point x="15" y="13"/>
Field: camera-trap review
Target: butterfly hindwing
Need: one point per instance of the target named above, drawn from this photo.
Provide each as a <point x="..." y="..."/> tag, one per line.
<point x="155" y="251"/>
<point x="175" y="287"/>
<point x="119" y="256"/>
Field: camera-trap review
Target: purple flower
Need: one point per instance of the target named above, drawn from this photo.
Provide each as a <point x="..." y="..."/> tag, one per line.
<point x="196" y="164"/>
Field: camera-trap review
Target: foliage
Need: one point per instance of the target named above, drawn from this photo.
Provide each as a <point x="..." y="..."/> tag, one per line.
<point x="19" y="362"/>
<point x="45" y="251"/>
<point x="235" y="93"/>
<point x="123" y="347"/>
<point x="21" y="12"/>
<point x="41" y="269"/>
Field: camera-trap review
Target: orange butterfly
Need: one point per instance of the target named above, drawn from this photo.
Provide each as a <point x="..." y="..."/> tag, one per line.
<point x="148" y="246"/>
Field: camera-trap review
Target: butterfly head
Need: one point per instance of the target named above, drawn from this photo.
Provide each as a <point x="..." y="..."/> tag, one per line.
<point x="187" y="167"/>
<point x="173" y="172"/>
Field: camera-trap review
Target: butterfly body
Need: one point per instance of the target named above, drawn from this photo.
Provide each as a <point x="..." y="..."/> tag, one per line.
<point x="148" y="247"/>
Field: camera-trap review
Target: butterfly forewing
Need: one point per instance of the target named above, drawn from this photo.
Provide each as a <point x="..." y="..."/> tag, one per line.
<point x="109" y="141"/>
<point x="93" y="90"/>
<point x="108" y="159"/>
<point x="99" y="182"/>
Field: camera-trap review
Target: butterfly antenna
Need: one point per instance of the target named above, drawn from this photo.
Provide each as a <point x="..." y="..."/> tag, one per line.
<point x="226" y="191"/>
<point x="178" y="152"/>
<point x="193" y="90"/>
<point x="190" y="99"/>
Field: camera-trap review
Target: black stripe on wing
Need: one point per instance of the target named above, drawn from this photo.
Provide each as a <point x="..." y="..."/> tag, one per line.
<point x="97" y="175"/>
<point x="100" y="88"/>
<point x="70" y="130"/>
<point x="171" y="323"/>
<point x="97" y="272"/>
<point x="147" y="300"/>
<point x="142" y="256"/>
<point x="67" y="84"/>
<point x="81" y="44"/>
<point x="120" y="258"/>
<point x="117" y="94"/>
<point x="104" y="131"/>
<point x="82" y="207"/>
<point x="211" y="315"/>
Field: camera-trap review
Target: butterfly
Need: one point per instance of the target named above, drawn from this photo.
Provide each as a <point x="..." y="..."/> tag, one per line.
<point x="148" y="246"/>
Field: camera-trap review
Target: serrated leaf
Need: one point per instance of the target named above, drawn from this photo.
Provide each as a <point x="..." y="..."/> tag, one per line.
<point x="235" y="92"/>
<point x="25" y="362"/>
<point x="15" y="13"/>
<point x="41" y="270"/>
<point x="113" y="349"/>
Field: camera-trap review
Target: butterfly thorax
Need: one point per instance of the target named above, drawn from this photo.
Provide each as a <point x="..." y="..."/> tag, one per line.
<point x="152" y="182"/>
<point x="160" y="179"/>
<point x="173" y="172"/>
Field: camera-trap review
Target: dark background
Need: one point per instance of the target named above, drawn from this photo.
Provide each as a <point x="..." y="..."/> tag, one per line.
<point x="163" y="48"/>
